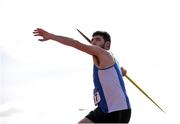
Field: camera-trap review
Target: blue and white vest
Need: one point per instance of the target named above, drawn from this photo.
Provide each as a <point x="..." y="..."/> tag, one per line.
<point x="110" y="93"/>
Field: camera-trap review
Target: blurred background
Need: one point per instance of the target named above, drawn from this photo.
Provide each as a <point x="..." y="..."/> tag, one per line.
<point x="51" y="83"/>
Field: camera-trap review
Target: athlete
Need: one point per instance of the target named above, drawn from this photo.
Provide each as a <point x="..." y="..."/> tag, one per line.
<point x="110" y="95"/>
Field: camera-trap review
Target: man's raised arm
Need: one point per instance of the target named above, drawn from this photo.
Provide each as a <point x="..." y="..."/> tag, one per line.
<point x="90" y="49"/>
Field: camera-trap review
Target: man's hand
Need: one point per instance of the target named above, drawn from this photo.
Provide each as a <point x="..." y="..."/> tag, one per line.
<point x="44" y="34"/>
<point x="124" y="71"/>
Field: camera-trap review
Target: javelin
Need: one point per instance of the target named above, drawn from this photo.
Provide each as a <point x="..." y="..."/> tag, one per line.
<point x="142" y="91"/>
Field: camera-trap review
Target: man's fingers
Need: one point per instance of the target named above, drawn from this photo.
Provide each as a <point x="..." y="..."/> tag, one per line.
<point x="41" y="39"/>
<point x="35" y="32"/>
<point x="124" y="71"/>
<point x="38" y="29"/>
<point x="40" y="32"/>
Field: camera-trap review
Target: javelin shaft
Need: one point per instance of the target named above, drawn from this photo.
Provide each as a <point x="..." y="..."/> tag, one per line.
<point x="84" y="36"/>
<point x="143" y="92"/>
<point x="128" y="78"/>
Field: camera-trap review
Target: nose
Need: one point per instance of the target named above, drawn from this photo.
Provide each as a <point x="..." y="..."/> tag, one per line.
<point x="92" y="41"/>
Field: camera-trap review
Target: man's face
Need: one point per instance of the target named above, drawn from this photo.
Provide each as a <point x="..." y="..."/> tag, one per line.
<point x="98" y="41"/>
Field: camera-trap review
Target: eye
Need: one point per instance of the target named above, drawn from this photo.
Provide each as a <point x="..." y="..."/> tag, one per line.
<point x="98" y="39"/>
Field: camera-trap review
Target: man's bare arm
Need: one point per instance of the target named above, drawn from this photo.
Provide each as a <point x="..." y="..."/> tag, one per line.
<point x="90" y="49"/>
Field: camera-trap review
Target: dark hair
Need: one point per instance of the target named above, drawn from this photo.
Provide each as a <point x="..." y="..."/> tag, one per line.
<point x="104" y="34"/>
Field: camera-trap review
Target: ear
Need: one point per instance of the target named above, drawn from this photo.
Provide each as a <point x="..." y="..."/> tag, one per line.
<point x="107" y="45"/>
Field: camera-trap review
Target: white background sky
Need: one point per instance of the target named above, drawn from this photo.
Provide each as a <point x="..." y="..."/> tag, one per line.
<point x="48" y="82"/>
